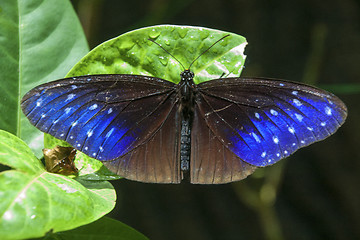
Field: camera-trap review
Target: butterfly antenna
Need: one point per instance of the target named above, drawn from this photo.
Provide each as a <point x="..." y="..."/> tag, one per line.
<point x="208" y="49"/>
<point x="167" y="52"/>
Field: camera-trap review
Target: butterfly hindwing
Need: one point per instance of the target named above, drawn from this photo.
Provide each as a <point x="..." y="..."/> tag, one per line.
<point x="264" y="120"/>
<point x="212" y="162"/>
<point x="108" y="117"/>
<point x="156" y="160"/>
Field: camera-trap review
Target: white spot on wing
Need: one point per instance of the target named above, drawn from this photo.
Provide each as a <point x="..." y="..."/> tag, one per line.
<point x="328" y="111"/>
<point x="70" y="96"/>
<point x="93" y="107"/>
<point x="109" y="111"/>
<point x="263" y="154"/>
<point x="291" y="130"/>
<point x="297" y="102"/>
<point x="294" y="92"/>
<point x="323" y="124"/>
<point x="276" y="140"/>
<point x="299" y="117"/>
<point x="257" y="115"/>
<point x="273" y="112"/>
<point x="90" y="133"/>
<point x="67" y="110"/>
<point x="256" y="137"/>
<point x="109" y="133"/>
<point x="38" y="102"/>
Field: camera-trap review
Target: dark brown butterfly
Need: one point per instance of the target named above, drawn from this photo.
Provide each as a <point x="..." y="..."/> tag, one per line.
<point x="152" y="130"/>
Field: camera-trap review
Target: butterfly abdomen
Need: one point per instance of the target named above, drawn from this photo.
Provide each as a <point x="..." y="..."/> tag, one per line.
<point x="185" y="145"/>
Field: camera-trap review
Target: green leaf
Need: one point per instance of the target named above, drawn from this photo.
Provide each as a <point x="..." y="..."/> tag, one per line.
<point x="34" y="201"/>
<point x="40" y="41"/>
<point x="134" y="53"/>
<point x="104" y="228"/>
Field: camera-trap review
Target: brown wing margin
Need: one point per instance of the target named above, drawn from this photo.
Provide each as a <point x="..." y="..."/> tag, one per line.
<point x="157" y="160"/>
<point x="211" y="162"/>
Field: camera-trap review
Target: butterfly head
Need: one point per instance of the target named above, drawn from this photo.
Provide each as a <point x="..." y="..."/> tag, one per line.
<point x="187" y="76"/>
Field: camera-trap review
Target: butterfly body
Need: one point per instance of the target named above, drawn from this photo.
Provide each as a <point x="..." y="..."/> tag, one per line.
<point x="186" y="91"/>
<point x="152" y="130"/>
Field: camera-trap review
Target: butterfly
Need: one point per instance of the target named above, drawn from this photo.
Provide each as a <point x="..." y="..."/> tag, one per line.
<point x="152" y="130"/>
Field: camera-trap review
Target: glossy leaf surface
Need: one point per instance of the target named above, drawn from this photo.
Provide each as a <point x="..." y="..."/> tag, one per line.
<point x="34" y="201"/>
<point x="40" y="41"/>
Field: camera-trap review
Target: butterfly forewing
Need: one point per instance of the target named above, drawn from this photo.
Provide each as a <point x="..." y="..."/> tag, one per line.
<point x="264" y="120"/>
<point x="112" y="117"/>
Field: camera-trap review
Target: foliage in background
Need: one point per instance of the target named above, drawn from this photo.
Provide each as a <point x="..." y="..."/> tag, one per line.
<point x="40" y="41"/>
<point x="34" y="201"/>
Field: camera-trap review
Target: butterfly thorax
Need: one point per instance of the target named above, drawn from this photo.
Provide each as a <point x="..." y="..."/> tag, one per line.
<point x="187" y="91"/>
<point x="186" y="84"/>
<point x="187" y="102"/>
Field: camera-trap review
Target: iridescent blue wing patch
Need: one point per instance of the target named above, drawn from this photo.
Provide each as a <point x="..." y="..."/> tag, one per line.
<point x="263" y="120"/>
<point x="104" y="116"/>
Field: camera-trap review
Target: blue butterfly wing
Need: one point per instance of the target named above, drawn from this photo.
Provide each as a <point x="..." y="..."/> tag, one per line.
<point x="112" y="117"/>
<point x="263" y="120"/>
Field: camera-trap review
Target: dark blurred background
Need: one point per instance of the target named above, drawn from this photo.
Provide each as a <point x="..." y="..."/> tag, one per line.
<point x="314" y="194"/>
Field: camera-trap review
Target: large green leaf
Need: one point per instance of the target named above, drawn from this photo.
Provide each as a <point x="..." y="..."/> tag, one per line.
<point x="104" y="228"/>
<point x="34" y="201"/>
<point x="40" y="40"/>
<point x="134" y="53"/>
